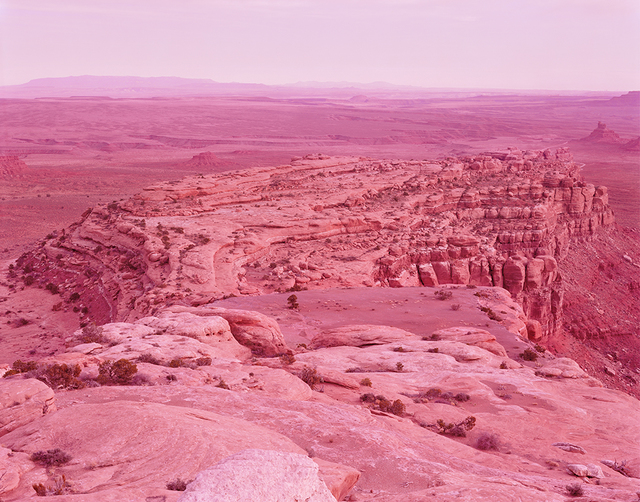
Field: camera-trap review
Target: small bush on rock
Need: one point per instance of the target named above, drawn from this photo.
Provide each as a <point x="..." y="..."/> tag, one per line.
<point x="149" y="359"/>
<point x="116" y="373"/>
<point x="575" y="490"/>
<point x="458" y="430"/>
<point x="529" y="355"/>
<point x="21" y="367"/>
<point x="310" y="376"/>
<point x="487" y="441"/>
<point x="61" y="376"/>
<point x="443" y="294"/>
<point x="48" y="458"/>
<point x="177" y="485"/>
<point x="366" y="382"/>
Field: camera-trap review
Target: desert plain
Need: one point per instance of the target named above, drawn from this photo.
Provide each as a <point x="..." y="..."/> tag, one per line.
<point x="326" y="294"/>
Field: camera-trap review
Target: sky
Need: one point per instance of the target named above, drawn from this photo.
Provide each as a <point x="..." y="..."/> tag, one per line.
<point x="498" y="44"/>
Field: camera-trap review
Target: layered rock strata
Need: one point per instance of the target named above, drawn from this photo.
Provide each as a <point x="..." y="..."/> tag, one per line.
<point x="500" y="219"/>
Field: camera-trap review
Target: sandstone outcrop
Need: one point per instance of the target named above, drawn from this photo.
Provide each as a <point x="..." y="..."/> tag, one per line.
<point x="11" y="166"/>
<point x="252" y="475"/>
<point x="22" y="401"/>
<point x="500" y="219"/>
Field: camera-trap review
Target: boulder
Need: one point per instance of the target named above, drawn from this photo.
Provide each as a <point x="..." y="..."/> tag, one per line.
<point x="471" y="336"/>
<point x="361" y="335"/>
<point x="340" y="479"/>
<point x="254" y="330"/>
<point x="264" y="475"/>
<point x="22" y="401"/>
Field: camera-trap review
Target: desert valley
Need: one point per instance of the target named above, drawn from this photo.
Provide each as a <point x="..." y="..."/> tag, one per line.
<point x="365" y="294"/>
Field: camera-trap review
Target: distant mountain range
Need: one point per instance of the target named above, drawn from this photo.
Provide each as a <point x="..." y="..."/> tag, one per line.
<point x="149" y="87"/>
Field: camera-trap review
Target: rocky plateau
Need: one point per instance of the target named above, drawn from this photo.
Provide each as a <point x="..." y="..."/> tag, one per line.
<point x="335" y="328"/>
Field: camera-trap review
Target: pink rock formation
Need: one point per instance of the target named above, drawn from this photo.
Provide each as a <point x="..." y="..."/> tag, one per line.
<point x="251" y="475"/>
<point x="22" y="401"/>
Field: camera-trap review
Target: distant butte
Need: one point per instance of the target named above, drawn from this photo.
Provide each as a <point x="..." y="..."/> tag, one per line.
<point x="602" y="134"/>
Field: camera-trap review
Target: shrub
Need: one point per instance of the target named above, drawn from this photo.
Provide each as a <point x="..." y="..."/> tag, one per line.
<point x="150" y="359"/>
<point x="74" y="297"/>
<point x="204" y="361"/>
<point x="366" y="382"/>
<point x="293" y="302"/>
<point x="49" y="458"/>
<point x="287" y="359"/>
<point x="529" y="355"/>
<point x="119" y="373"/>
<point x="443" y="294"/>
<point x="368" y="398"/>
<point x="29" y="280"/>
<point x="462" y="397"/>
<point x="52" y="288"/>
<point x="176" y="363"/>
<point x="310" y="376"/>
<point x="539" y="348"/>
<point x="92" y="334"/>
<point x="503" y="365"/>
<point x="21" y="367"/>
<point x="457" y="430"/>
<point x="575" y="490"/>
<point x="177" y="485"/>
<point x="223" y="385"/>
<point x="399" y="367"/>
<point x="60" y="487"/>
<point x="61" y="376"/>
<point x="432" y="393"/>
<point x="400" y="349"/>
<point x="455" y="306"/>
<point x="398" y="408"/>
<point x="487" y="441"/>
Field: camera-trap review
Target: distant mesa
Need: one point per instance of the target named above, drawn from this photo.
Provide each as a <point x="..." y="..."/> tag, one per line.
<point x="633" y="145"/>
<point x="205" y="159"/>
<point x="360" y="98"/>
<point x="602" y="134"/>
<point x="631" y="98"/>
<point x="11" y="166"/>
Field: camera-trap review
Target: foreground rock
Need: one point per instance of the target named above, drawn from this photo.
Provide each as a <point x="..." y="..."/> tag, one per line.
<point x="267" y="476"/>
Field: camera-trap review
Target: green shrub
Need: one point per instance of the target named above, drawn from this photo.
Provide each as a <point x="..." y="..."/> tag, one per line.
<point x="21" y="367"/>
<point x="116" y="373"/>
<point x="293" y="302"/>
<point x="366" y="382"/>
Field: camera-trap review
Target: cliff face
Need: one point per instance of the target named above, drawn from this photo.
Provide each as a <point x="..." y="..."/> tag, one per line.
<point x="501" y="219"/>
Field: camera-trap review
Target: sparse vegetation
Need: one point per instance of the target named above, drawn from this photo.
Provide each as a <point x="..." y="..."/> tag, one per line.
<point x="292" y="302"/>
<point x="92" y="334"/>
<point x="21" y="367"/>
<point x="287" y="359"/>
<point x="503" y="365"/>
<point x="381" y="403"/>
<point x="443" y="294"/>
<point x="529" y="355"/>
<point x="458" y="430"/>
<point x="455" y="306"/>
<point x="223" y="385"/>
<point x="399" y="367"/>
<point x="62" y="376"/>
<point x="116" y="373"/>
<point x="487" y="441"/>
<point x="539" y="348"/>
<point x="48" y="458"/>
<point x="204" y="361"/>
<point x="60" y="487"/>
<point x="575" y="490"/>
<point x="310" y="376"/>
<point x="177" y="485"/>
<point x="366" y="382"/>
<point x="150" y="359"/>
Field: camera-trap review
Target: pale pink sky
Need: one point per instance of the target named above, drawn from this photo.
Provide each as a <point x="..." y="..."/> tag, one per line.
<point x="508" y="44"/>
